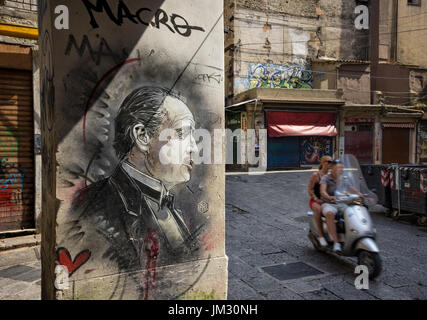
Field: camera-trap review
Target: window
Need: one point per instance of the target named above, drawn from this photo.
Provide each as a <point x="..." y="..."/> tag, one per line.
<point x="414" y="2"/>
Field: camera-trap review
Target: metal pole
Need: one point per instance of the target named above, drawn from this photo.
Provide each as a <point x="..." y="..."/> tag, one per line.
<point x="397" y="182"/>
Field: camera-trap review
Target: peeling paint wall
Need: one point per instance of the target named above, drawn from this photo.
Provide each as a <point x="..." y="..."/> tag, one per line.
<point x="288" y="33"/>
<point x="122" y="223"/>
<point x="412" y="34"/>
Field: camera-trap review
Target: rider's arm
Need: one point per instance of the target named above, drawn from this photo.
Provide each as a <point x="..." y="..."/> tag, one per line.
<point x="311" y="187"/>
<point x="324" y="193"/>
<point x="353" y="189"/>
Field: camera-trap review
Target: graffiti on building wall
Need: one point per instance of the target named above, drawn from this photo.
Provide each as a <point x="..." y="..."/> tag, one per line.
<point x="11" y="175"/>
<point x="277" y="76"/>
<point x="9" y="141"/>
<point x="11" y="188"/>
<point x="314" y="148"/>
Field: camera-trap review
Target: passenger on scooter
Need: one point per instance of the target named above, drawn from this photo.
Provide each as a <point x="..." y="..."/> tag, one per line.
<point x="315" y="197"/>
<point x="328" y="186"/>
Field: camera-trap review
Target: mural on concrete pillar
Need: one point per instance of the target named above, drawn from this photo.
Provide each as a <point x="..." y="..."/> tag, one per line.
<point x="314" y="148"/>
<point x="134" y="208"/>
<point x="132" y="201"/>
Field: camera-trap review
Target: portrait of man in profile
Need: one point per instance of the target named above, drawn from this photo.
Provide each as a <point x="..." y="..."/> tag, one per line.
<point x="133" y="210"/>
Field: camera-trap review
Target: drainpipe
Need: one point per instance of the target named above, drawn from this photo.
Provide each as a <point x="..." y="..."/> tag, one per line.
<point x="396" y="31"/>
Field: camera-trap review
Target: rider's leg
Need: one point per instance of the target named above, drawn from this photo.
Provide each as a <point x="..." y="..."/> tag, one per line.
<point x="330" y="221"/>
<point x="317" y="209"/>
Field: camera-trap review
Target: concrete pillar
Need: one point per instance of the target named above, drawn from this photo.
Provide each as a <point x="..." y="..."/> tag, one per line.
<point x="126" y="213"/>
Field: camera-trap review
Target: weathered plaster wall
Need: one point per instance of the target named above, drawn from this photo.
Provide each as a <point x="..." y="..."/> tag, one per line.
<point x="289" y="34"/>
<point x="355" y="80"/>
<point x="20" y="12"/>
<point x="338" y="36"/>
<point x="387" y="30"/>
<point x="117" y="232"/>
<point x="267" y="40"/>
<point x="412" y="35"/>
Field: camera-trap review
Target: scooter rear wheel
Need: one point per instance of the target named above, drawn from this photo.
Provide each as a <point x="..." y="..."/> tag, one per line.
<point x="372" y="261"/>
<point x="314" y="241"/>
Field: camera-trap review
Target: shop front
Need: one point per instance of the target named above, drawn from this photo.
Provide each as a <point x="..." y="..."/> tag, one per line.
<point x="300" y="125"/>
<point x="359" y="138"/>
<point x="397" y="142"/>
<point x="299" y="138"/>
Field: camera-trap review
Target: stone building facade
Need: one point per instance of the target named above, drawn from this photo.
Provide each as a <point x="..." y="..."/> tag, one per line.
<point x="322" y="45"/>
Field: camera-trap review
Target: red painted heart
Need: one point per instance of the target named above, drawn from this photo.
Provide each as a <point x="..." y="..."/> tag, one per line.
<point x="64" y="258"/>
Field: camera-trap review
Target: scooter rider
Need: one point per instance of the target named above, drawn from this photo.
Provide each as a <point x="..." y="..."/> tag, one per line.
<point x="328" y="186"/>
<point x="315" y="197"/>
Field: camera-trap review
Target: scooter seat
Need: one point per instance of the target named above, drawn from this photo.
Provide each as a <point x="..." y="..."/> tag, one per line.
<point x="339" y="216"/>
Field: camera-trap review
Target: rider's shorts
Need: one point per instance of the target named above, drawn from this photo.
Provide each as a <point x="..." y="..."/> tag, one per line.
<point x="311" y="203"/>
<point x="333" y="207"/>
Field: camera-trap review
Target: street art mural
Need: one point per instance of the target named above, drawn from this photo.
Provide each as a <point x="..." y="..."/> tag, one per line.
<point x="278" y="76"/>
<point x="13" y="213"/>
<point x="133" y="209"/>
<point x="314" y="148"/>
<point x="11" y="193"/>
<point x="131" y="224"/>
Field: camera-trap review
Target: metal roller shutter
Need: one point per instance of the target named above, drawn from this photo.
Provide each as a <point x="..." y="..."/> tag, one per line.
<point x="396" y="145"/>
<point x="16" y="150"/>
<point x="282" y="153"/>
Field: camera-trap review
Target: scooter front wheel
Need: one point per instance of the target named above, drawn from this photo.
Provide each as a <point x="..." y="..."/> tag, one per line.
<point x="372" y="261"/>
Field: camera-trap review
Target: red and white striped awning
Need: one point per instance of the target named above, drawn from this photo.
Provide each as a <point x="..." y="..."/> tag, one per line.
<point x="399" y="125"/>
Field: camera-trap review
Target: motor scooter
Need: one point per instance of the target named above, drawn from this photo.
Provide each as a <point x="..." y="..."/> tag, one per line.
<point x="355" y="228"/>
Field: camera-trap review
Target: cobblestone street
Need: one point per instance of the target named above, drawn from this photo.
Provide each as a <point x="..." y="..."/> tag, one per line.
<point x="20" y="272"/>
<point x="267" y="224"/>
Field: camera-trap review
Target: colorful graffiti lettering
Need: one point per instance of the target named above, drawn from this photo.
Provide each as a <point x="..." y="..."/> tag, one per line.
<point x="11" y="199"/>
<point x="10" y="141"/>
<point x="277" y="76"/>
<point x="314" y="148"/>
<point x="12" y="179"/>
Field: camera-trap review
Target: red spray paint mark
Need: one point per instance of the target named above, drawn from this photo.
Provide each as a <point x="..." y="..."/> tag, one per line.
<point x="103" y="78"/>
<point x="152" y="252"/>
<point x="209" y="240"/>
<point x="77" y="193"/>
<point x="64" y="258"/>
<point x="8" y="198"/>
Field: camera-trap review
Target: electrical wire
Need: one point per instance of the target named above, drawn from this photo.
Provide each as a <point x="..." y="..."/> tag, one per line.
<point x="326" y="40"/>
<point x="326" y="72"/>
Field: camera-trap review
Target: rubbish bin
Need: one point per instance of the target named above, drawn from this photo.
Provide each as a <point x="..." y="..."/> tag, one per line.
<point x="408" y="184"/>
<point x="377" y="179"/>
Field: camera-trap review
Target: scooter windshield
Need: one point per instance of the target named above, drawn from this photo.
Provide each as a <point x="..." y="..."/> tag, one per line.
<point x="352" y="181"/>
